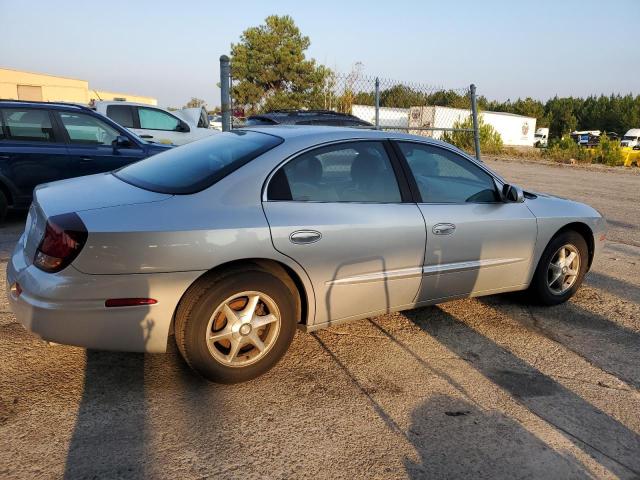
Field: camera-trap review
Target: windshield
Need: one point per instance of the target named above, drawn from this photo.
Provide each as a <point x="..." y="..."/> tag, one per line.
<point x="198" y="165"/>
<point x="629" y="137"/>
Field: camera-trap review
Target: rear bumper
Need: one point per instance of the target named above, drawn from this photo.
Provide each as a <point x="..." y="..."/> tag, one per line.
<point x="68" y="307"/>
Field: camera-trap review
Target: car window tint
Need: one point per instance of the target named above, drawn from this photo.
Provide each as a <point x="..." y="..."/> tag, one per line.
<point x="29" y="125"/>
<point x="122" y="114"/>
<point x="349" y="172"/>
<point x="446" y="177"/>
<point x="153" y="119"/>
<point x="2" y="134"/>
<point x="198" y="165"/>
<point x="87" y="129"/>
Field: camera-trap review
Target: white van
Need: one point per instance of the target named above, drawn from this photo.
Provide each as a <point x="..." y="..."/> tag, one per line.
<point x="631" y="138"/>
<point x="541" y="137"/>
<point x="156" y="124"/>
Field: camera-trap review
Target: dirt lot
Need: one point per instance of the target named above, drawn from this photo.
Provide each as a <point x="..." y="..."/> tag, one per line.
<point x="488" y="388"/>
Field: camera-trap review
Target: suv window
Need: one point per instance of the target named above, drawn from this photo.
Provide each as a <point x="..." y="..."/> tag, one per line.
<point x="28" y="124"/>
<point x="347" y="172"/>
<point x="153" y="119"/>
<point x="122" y="114"/>
<point x="446" y="177"/>
<point x="87" y="129"/>
<point x="198" y="165"/>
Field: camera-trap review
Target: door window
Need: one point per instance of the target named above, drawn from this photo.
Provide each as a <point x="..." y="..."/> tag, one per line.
<point x="28" y="125"/>
<point x="87" y="129"/>
<point x="348" y="172"/>
<point x="153" y="119"/>
<point x="122" y="114"/>
<point x="446" y="177"/>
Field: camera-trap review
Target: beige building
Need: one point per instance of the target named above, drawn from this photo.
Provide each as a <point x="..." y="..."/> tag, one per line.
<point x="19" y="85"/>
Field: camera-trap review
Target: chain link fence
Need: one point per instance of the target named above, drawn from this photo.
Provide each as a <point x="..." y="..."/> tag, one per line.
<point x="419" y="109"/>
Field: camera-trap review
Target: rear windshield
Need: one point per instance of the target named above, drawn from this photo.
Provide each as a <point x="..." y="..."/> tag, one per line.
<point x="198" y="165"/>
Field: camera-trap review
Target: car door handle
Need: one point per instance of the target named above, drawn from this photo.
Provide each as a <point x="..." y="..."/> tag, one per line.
<point x="86" y="159"/>
<point x="443" y="229"/>
<point x="304" y="237"/>
<point x="4" y="157"/>
<point x="146" y="136"/>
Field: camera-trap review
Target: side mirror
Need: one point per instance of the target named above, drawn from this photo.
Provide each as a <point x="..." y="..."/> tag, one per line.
<point x="512" y="194"/>
<point x="121" y="141"/>
<point x="183" y="127"/>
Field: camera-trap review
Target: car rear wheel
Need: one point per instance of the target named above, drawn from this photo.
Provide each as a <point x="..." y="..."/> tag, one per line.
<point x="561" y="269"/>
<point x="235" y="327"/>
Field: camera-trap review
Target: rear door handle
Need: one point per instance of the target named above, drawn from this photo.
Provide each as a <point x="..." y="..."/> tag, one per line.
<point x="443" y="229"/>
<point x="146" y="136"/>
<point x="304" y="237"/>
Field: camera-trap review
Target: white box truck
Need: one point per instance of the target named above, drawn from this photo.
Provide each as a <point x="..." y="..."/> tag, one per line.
<point x="631" y="138"/>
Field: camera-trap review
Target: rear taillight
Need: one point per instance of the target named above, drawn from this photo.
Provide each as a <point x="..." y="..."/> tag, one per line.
<point x="64" y="237"/>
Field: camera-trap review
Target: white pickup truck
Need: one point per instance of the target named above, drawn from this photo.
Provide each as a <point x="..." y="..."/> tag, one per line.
<point x="156" y="124"/>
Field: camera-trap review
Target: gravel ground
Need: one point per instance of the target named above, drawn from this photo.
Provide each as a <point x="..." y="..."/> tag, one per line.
<point x="484" y="388"/>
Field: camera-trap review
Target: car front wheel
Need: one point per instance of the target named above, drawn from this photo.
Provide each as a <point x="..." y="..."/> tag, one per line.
<point x="237" y="326"/>
<point x="561" y="269"/>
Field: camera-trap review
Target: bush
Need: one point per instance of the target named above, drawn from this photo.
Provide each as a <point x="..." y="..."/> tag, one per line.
<point x="490" y="140"/>
<point x="607" y="152"/>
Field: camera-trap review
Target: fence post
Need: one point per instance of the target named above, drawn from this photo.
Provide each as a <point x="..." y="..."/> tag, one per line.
<point x="474" y="114"/>
<point x="377" y="103"/>
<point x="225" y="97"/>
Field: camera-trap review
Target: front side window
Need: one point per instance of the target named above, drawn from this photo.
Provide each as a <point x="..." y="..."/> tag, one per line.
<point x="444" y="176"/>
<point x="87" y="129"/>
<point x="347" y="172"/>
<point x="198" y="165"/>
<point x="153" y="119"/>
<point x="122" y="114"/>
<point x="28" y="125"/>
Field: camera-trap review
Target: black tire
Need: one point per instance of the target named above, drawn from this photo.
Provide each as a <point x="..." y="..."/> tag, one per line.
<point x="539" y="288"/>
<point x="4" y="206"/>
<point x="201" y="301"/>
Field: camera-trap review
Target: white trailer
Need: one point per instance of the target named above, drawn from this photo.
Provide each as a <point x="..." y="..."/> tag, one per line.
<point x="515" y="130"/>
<point x="389" y="117"/>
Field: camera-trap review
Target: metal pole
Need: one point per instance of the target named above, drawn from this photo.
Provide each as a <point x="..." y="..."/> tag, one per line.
<point x="225" y="97"/>
<point x="377" y="103"/>
<point x="474" y="114"/>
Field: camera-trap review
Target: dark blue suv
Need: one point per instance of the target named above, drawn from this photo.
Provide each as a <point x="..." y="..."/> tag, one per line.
<point x="43" y="142"/>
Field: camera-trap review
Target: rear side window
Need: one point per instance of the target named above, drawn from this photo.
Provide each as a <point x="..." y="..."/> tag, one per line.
<point x="347" y="172"/>
<point x="122" y="114"/>
<point x="87" y="129"/>
<point x="153" y="119"/>
<point x="198" y="165"/>
<point x="28" y="124"/>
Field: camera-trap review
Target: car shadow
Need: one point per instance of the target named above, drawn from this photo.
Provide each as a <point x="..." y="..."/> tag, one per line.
<point x="457" y="439"/>
<point x="586" y="426"/>
<point x="602" y="342"/>
<point x="619" y="288"/>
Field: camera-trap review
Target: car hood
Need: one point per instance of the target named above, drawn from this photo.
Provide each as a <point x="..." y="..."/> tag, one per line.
<point x="91" y="192"/>
<point x="153" y="148"/>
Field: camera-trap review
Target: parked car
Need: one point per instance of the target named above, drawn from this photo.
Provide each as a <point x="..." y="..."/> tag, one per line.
<point x="215" y="122"/>
<point x="155" y="124"/>
<point x="306" y="117"/>
<point x="43" y="142"/>
<point x="232" y="242"/>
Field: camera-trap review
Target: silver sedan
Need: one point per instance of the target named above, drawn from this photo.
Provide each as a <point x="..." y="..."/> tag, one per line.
<point x="232" y="242"/>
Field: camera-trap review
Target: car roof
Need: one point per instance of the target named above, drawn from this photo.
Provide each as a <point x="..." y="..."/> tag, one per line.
<point x="326" y="133"/>
<point x="34" y="104"/>
<point x="293" y="116"/>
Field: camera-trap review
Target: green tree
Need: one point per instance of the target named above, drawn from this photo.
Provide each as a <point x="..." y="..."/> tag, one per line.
<point x="490" y="140"/>
<point x="561" y="115"/>
<point x="270" y="69"/>
<point x="194" y="103"/>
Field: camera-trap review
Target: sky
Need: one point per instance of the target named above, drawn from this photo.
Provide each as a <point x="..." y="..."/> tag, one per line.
<point x="170" y="49"/>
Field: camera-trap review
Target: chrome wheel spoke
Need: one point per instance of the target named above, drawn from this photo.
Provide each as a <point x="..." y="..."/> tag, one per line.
<point x="231" y="314"/>
<point x="569" y="260"/>
<point x="250" y="307"/>
<point x="261" y="321"/>
<point x="223" y="334"/>
<point x="563" y="269"/>
<point x="255" y="340"/>
<point x="233" y="351"/>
